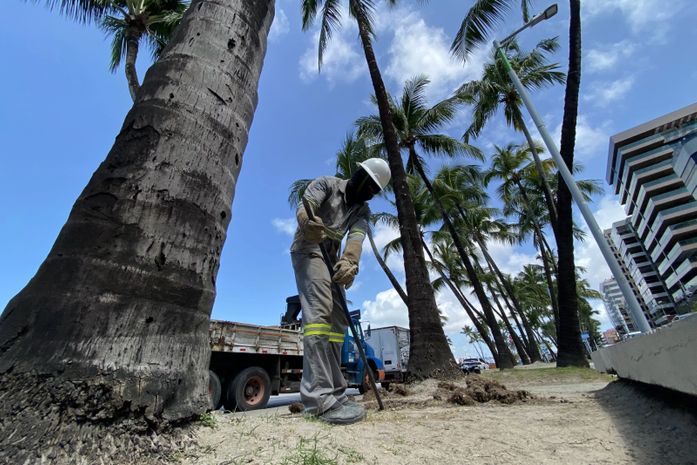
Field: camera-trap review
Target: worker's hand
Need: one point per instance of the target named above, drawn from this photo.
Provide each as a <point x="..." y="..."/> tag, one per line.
<point x="313" y="231"/>
<point x="344" y="272"/>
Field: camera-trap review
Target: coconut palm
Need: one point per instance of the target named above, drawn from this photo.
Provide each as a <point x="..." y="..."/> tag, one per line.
<point x="128" y="22"/>
<point x="429" y="351"/>
<point x="132" y="21"/>
<point x="480" y="227"/>
<point x="113" y="328"/>
<point x="495" y="90"/>
<point x="415" y="122"/>
<point x="475" y="30"/>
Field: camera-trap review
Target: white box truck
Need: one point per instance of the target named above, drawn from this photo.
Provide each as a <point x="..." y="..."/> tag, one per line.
<point x="391" y="345"/>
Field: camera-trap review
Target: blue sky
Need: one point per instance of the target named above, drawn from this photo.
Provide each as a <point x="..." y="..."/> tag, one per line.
<point x="61" y="109"/>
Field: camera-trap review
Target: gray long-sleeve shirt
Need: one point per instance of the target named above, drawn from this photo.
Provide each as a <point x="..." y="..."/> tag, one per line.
<point x="327" y="195"/>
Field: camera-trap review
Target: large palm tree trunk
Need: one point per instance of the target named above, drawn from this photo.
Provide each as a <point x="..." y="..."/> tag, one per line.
<point x="430" y="354"/>
<point x="571" y="351"/>
<point x="115" y="322"/>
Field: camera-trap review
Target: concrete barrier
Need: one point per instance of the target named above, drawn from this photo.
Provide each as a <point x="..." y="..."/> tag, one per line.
<point x="666" y="357"/>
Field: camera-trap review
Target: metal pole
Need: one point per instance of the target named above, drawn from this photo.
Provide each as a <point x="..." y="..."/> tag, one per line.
<point x="629" y="297"/>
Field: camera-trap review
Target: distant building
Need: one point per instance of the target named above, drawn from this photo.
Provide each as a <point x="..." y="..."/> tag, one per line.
<point x="653" y="169"/>
<point x="616" y="307"/>
<point x="641" y="272"/>
<point x="610" y="336"/>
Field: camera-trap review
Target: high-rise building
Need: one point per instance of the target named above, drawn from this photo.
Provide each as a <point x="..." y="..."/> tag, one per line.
<point x="616" y="307"/>
<point x="653" y="169"/>
<point x="641" y="272"/>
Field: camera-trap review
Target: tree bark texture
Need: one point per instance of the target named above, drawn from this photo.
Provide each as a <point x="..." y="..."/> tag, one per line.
<point x="571" y="351"/>
<point x="115" y="322"/>
<point x="429" y="354"/>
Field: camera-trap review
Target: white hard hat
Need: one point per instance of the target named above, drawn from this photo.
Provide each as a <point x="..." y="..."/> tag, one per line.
<point x="378" y="170"/>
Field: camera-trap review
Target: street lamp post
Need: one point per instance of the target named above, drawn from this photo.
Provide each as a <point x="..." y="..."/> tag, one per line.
<point x="630" y="298"/>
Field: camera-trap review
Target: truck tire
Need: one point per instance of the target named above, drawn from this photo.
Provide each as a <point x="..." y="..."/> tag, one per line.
<point x="249" y="390"/>
<point x="214" y="390"/>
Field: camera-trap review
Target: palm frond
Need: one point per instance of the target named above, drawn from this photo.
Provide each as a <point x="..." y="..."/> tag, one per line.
<point x="331" y="19"/>
<point x="84" y="11"/>
<point x="296" y="192"/>
<point x="477" y="25"/>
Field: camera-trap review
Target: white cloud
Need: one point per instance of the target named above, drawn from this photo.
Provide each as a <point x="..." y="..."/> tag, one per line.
<point x="284" y="225"/>
<point x="341" y="61"/>
<point x="418" y="48"/>
<point x="387" y="309"/>
<point x="604" y="93"/>
<point x="607" y="56"/>
<point x="588" y="253"/>
<point x="510" y="259"/>
<point x="382" y="235"/>
<point x="591" y="141"/>
<point x="280" y="25"/>
<point x="639" y="14"/>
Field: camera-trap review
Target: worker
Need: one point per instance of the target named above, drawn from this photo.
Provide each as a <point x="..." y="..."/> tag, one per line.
<point x="339" y="207"/>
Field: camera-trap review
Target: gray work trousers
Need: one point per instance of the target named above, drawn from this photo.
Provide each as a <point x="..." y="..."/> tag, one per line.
<point x="324" y="326"/>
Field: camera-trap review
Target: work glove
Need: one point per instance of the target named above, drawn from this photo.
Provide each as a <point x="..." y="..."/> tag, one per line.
<point x="312" y="230"/>
<point x="346" y="268"/>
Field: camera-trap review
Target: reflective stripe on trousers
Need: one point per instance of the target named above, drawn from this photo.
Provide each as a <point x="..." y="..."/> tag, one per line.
<point x="324" y="326"/>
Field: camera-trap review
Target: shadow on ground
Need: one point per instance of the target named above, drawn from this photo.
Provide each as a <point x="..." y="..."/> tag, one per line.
<point x="658" y="425"/>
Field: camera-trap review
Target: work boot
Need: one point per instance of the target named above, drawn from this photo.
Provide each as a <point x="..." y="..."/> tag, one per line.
<point x="343" y="414"/>
<point x="352" y="404"/>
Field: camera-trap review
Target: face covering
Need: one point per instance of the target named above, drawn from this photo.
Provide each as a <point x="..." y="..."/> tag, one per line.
<point x="361" y="187"/>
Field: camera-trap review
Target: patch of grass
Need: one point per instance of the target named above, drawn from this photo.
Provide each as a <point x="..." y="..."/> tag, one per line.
<point x="352" y="455"/>
<point x="551" y="375"/>
<point x="309" y="452"/>
<point x="208" y="419"/>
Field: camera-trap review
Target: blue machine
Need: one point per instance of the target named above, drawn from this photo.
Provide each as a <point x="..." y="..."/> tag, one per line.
<point x="351" y="363"/>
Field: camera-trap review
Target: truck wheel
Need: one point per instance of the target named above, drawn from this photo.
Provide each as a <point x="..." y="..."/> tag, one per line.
<point x="214" y="389"/>
<point x="250" y="389"/>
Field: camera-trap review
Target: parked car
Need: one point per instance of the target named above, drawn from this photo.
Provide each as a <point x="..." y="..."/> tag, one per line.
<point x="683" y="316"/>
<point x="473" y="365"/>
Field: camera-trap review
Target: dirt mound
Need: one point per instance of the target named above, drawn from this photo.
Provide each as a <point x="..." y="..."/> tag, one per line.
<point x="479" y="390"/>
<point x="470" y="391"/>
<point x="296" y="407"/>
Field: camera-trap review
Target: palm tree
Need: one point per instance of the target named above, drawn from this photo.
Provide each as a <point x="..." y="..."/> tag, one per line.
<point x="495" y="89"/>
<point x="131" y="21"/>
<point x="473" y="338"/>
<point x="128" y="22"/>
<point x="475" y="30"/>
<point x="570" y="347"/>
<point x="415" y="123"/>
<point x="113" y="328"/>
<point x="429" y="351"/>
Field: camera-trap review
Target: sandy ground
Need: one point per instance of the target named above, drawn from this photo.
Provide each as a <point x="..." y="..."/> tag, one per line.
<point x="572" y="420"/>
